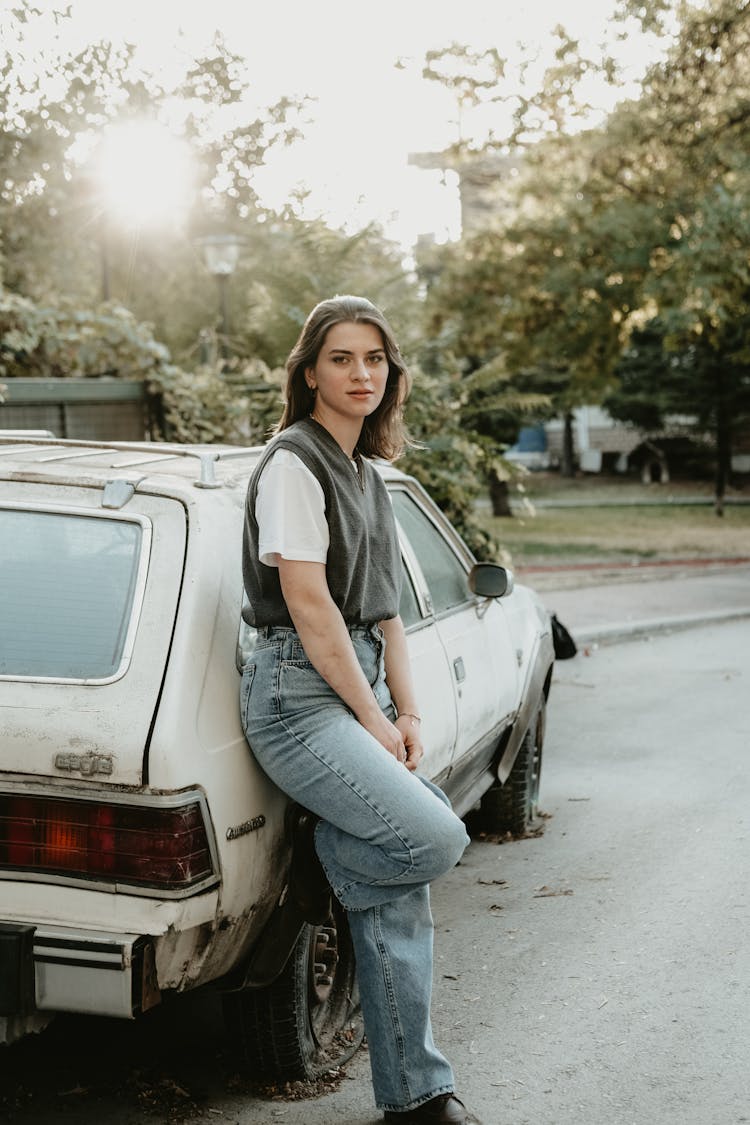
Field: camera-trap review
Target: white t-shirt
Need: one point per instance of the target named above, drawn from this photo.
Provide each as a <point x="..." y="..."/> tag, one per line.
<point x="290" y="510"/>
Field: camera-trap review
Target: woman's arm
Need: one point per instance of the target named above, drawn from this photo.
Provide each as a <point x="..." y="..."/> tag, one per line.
<point x="400" y="684"/>
<point x="327" y="643"/>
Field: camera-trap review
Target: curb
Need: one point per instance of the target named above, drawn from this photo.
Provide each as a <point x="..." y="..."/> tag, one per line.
<point x="632" y="568"/>
<point x="633" y="502"/>
<point x="635" y="630"/>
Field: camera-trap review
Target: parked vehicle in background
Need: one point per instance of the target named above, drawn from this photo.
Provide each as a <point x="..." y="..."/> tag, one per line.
<point x="142" y="849"/>
<point x="532" y="450"/>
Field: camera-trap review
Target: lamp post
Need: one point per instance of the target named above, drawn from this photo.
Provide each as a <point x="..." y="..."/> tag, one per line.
<point x="221" y="252"/>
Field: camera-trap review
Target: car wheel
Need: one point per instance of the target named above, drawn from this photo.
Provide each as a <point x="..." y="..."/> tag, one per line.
<point x="309" y="1020"/>
<point x="513" y="806"/>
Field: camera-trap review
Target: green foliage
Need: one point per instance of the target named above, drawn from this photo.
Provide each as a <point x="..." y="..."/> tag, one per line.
<point x="54" y="110"/>
<point x="292" y="264"/>
<point x="644" y="376"/>
<point x="57" y="234"/>
<point x="502" y="104"/>
<point x="207" y="405"/>
<point x="646" y="216"/>
<point x="58" y="340"/>
<point x="57" y="237"/>
<point x="211" y="404"/>
<point x="451" y="461"/>
<point x="696" y="134"/>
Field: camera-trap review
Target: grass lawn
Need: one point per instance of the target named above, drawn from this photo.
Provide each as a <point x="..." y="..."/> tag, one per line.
<point x="606" y="520"/>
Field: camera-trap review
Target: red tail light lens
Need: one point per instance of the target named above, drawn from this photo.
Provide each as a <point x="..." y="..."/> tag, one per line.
<point x="147" y="846"/>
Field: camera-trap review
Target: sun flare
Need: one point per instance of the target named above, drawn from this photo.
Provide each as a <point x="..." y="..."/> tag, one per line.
<point x="145" y="174"/>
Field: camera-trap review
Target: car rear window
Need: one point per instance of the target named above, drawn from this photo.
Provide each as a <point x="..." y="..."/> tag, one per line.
<point x="67" y="588"/>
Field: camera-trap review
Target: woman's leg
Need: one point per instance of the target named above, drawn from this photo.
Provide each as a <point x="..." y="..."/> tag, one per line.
<point x="384" y="834"/>
<point x="393" y="947"/>
<point x="383" y="828"/>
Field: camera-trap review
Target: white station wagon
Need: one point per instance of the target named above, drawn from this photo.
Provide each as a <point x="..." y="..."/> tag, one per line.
<point x="141" y="848"/>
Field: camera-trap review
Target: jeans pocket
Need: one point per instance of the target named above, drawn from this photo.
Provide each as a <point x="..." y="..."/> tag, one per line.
<point x="301" y="687"/>
<point x="248" y="675"/>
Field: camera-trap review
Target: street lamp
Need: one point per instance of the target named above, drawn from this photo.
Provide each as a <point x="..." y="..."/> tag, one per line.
<point x="221" y="252"/>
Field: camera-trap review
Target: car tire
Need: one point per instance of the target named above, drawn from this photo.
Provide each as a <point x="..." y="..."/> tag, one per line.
<point x="513" y="806"/>
<point x="309" y="1020"/>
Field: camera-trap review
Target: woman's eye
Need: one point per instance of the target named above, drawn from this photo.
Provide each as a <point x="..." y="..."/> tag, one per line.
<point x="375" y="359"/>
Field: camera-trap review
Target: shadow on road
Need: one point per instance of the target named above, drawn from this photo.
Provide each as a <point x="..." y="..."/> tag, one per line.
<point x="169" y="1065"/>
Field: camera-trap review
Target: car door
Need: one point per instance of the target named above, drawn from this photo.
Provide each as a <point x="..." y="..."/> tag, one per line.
<point x="472" y="631"/>
<point x="430" y="671"/>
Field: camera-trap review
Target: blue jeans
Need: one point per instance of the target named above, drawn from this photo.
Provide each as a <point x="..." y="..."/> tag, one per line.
<point x="384" y="835"/>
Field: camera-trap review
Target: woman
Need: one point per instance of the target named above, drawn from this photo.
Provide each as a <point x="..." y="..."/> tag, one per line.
<point x="328" y="703"/>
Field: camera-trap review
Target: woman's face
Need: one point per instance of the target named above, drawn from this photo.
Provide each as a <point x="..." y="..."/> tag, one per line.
<point x="350" y="373"/>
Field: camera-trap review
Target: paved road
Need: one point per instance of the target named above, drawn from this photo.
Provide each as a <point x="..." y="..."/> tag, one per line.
<point x="601" y="605"/>
<point x="595" y="974"/>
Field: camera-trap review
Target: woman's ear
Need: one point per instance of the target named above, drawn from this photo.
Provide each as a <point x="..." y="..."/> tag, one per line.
<point x="310" y="377"/>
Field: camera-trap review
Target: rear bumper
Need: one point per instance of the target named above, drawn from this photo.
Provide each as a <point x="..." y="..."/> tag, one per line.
<point x="57" y="969"/>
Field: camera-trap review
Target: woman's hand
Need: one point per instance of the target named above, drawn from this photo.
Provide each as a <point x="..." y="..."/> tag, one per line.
<point x="329" y="647"/>
<point x="409" y="729"/>
<point x="399" y="680"/>
<point x="388" y="734"/>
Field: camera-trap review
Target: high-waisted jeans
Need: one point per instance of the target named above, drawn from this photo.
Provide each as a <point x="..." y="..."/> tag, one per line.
<point x="384" y="835"/>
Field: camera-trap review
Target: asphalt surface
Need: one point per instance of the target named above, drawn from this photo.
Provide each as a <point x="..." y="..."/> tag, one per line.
<point x="592" y="974"/>
<point x="602" y="604"/>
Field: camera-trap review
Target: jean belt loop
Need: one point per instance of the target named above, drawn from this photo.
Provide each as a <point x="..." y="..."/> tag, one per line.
<point x="376" y="634"/>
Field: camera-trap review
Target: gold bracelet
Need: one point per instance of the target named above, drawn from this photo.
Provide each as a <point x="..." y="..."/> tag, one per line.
<point x="409" y="715"/>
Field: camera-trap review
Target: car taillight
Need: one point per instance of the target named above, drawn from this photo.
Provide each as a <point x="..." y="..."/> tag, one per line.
<point x="144" y="845"/>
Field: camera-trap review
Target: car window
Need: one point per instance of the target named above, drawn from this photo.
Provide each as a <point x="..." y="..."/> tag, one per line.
<point x="66" y="593"/>
<point x="444" y="574"/>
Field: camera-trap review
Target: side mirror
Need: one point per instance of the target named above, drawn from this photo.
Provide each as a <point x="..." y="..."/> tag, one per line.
<point x="489" y="580"/>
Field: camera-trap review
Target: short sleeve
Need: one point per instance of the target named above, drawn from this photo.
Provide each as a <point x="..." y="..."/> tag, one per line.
<point x="290" y="510"/>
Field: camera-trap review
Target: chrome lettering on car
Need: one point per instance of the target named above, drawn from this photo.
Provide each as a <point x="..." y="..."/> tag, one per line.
<point x="87" y="764"/>
<point x="251" y="825"/>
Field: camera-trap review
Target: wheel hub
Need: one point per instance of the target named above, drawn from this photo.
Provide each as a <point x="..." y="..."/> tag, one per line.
<point x="325" y="959"/>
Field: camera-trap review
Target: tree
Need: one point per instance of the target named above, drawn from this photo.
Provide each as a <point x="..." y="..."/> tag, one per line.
<point x="644" y="215"/>
<point x="57" y="237"/>
<point x="449" y="458"/>
<point x="541" y="306"/>
<point x="61" y="340"/>
<point x="692" y="381"/>
<point x="54" y="110"/>
<point x="695" y="110"/>
<point x="533" y="302"/>
<point x="294" y="263"/>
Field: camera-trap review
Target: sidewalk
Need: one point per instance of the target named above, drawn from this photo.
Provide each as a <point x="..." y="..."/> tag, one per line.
<point x="603" y="605"/>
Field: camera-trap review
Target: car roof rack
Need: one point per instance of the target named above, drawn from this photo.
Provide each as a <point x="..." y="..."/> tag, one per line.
<point x="13" y="434"/>
<point x="147" y="452"/>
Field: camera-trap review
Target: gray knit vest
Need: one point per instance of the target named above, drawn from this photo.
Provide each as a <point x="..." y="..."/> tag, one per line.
<point x="363" y="566"/>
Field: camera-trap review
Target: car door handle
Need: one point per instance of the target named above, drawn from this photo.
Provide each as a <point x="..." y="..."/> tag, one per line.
<point x="459" y="669"/>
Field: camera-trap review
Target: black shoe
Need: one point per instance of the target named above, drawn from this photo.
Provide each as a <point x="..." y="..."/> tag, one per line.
<point x="445" y="1109"/>
<point x="306" y="898"/>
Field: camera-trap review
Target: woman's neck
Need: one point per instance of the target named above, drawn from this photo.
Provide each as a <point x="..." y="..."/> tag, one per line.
<point x="343" y="431"/>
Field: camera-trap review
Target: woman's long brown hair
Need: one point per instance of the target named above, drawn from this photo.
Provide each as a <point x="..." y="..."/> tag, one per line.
<point x="383" y="432"/>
